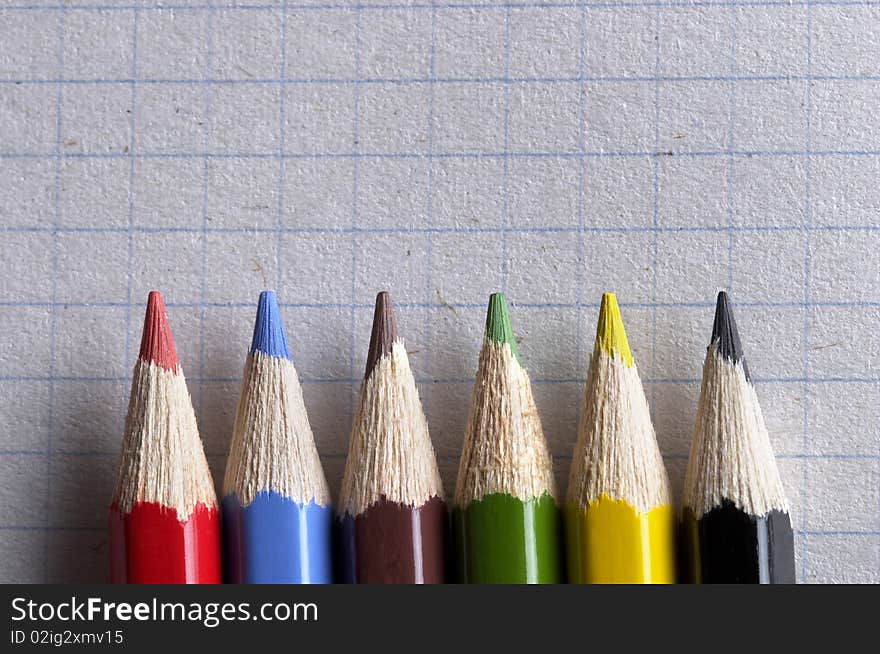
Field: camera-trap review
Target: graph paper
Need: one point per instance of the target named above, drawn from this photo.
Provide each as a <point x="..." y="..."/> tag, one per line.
<point x="328" y="149"/>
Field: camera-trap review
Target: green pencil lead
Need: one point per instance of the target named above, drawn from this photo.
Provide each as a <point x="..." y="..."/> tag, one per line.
<point x="498" y="328"/>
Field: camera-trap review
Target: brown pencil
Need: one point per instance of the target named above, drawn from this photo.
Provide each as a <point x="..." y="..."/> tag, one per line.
<point x="392" y="515"/>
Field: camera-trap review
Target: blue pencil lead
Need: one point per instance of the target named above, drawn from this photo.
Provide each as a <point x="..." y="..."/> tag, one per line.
<point x="268" y="330"/>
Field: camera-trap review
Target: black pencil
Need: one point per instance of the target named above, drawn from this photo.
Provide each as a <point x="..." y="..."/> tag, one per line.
<point x="736" y="523"/>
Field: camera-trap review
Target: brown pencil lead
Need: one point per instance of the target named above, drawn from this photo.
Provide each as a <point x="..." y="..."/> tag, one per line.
<point x="384" y="332"/>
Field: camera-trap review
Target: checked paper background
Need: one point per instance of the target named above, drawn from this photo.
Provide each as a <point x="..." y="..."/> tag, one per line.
<point x="441" y="150"/>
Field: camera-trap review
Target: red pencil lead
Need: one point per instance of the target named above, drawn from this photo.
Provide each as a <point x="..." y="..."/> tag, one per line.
<point x="157" y="343"/>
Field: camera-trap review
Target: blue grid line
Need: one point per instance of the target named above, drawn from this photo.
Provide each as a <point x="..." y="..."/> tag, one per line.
<point x="282" y="162"/>
<point x="443" y="230"/>
<point x="53" y="317"/>
<point x="207" y="99"/>
<point x="805" y="444"/>
<point x="429" y="215"/>
<point x="731" y="136"/>
<point x="655" y="207"/>
<point x="460" y="6"/>
<point x="836" y="532"/>
<point x="505" y="182"/>
<point x="581" y="206"/>
<point x="405" y="81"/>
<point x="599" y="154"/>
<point x="856" y="304"/>
<point x="132" y="146"/>
<point x="354" y="206"/>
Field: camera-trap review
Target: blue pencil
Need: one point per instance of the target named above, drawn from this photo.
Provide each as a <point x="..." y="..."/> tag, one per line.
<point x="277" y="517"/>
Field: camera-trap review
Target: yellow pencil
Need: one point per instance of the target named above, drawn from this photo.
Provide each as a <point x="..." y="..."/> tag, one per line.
<point x="619" y="519"/>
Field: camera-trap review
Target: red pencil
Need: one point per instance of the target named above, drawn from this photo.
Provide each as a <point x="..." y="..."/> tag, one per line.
<point x="164" y="524"/>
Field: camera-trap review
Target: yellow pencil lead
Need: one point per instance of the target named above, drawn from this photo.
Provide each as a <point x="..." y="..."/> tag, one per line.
<point x="610" y="334"/>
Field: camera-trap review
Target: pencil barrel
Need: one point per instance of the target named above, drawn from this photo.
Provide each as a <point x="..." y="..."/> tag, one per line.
<point x="392" y="543"/>
<point x="735" y="522"/>
<point x="502" y="540"/>
<point x="728" y="546"/>
<point x="275" y="540"/>
<point x="150" y="545"/>
<point x="610" y="542"/>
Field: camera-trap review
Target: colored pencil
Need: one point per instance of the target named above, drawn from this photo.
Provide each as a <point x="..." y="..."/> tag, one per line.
<point x="506" y="522"/>
<point x="736" y="524"/>
<point x="277" y="517"/>
<point x="393" y="517"/>
<point x="619" y="517"/>
<point x="164" y="523"/>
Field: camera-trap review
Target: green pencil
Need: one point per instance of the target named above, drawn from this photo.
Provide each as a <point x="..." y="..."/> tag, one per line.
<point x="505" y="519"/>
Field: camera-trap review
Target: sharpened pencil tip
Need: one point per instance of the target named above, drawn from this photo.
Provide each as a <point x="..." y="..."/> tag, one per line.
<point x="610" y="334"/>
<point x="498" y="327"/>
<point x="384" y="332"/>
<point x="268" y="328"/>
<point x="157" y="343"/>
<point x="725" y="333"/>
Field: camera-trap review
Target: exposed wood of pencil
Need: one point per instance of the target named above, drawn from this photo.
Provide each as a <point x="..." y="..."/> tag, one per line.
<point x="273" y="448"/>
<point x="504" y="446"/>
<point x="617" y="452"/>
<point x="390" y="453"/>
<point x="162" y="458"/>
<point x="731" y="455"/>
<point x="506" y="523"/>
